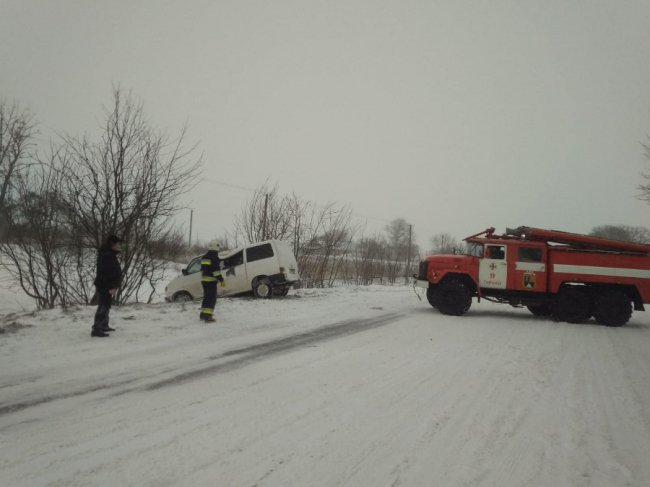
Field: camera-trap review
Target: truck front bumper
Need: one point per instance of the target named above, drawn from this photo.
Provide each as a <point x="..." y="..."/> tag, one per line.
<point x="421" y="283"/>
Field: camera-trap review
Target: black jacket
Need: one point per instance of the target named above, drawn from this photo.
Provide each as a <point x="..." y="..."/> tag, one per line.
<point x="109" y="271"/>
<point x="211" y="267"/>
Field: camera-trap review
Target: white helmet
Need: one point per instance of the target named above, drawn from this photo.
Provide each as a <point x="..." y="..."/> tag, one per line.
<point x="214" y="245"/>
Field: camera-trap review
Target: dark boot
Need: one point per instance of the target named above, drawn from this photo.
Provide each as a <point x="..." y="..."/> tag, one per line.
<point x="98" y="333"/>
<point x="108" y="328"/>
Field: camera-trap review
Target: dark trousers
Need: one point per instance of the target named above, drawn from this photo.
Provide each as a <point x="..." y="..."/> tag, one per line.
<point x="104" y="302"/>
<point x="209" y="299"/>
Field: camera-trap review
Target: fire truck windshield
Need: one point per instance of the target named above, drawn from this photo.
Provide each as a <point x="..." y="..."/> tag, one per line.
<point x="474" y="249"/>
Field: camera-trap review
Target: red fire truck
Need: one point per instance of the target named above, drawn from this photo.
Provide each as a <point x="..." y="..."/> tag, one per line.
<point x="568" y="276"/>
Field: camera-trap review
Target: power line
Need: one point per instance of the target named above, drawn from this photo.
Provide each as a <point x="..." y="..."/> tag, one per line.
<point x="251" y="190"/>
<point x="229" y="185"/>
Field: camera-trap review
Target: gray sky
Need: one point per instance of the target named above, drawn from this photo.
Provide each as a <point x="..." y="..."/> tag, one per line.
<point x="456" y="115"/>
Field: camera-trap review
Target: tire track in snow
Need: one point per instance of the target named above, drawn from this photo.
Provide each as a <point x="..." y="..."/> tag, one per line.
<point x="260" y="351"/>
<point x="242" y="357"/>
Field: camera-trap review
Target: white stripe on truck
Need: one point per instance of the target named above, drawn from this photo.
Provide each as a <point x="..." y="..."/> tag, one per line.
<point x="601" y="271"/>
<point x="530" y="266"/>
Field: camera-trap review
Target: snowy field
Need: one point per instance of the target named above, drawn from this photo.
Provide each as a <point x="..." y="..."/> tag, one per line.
<point x="340" y="387"/>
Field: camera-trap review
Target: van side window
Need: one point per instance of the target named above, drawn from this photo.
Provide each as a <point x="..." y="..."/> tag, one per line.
<point x="259" y="252"/>
<point x="527" y="254"/>
<point x="234" y="260"/>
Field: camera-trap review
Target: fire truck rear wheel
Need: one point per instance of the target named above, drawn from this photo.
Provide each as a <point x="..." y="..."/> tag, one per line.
<point x="539" y="309"/>
<point x="454" y="298"/>
<point x="572" y="305"/>
<point x="612" y="308"/>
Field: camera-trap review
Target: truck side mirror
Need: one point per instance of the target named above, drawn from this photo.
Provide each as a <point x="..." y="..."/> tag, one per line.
<point x="184" y="271"/>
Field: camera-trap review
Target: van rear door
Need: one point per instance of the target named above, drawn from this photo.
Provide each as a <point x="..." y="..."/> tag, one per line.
<point x="287" y="261"/>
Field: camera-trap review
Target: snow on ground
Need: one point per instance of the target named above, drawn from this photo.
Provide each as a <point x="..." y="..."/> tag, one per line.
<point x="12" y="297"/>
<point x="337" y="387"/>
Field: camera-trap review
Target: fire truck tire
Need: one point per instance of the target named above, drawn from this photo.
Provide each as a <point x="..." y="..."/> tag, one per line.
<point x="433" y="296"/>
<point x="572" y="305"/>
<point x="454" y="298"/>
<point x="612" y="308"/>
<point x="540" y="309"/>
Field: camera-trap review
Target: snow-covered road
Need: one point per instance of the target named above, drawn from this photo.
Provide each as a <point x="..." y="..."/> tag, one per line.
<point x="342" y="387"/>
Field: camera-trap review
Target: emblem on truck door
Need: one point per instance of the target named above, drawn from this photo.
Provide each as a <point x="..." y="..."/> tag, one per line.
<point x="529" y="280"/>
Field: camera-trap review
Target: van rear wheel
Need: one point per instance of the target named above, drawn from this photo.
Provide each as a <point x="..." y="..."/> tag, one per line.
<point x="262" y="288"/>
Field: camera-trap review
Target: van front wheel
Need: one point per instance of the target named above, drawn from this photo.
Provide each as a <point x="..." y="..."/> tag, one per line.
<point x="262" y="288"/>
<point x="181" y="297"/>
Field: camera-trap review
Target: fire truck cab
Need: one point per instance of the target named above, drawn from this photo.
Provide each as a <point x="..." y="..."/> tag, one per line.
<point x="569" y="276"/>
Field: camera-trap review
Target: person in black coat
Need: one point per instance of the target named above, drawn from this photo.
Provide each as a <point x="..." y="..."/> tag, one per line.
<point x="109" y="277"/>
<point x="210" y="274"/>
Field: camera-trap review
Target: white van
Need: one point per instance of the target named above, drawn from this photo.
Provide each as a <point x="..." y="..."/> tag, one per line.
<point x="266" y="268"/>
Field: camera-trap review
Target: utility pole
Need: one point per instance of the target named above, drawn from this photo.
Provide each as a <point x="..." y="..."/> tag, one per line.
<point x="266" y="204"/>
<point x="408" y="259"/>
<point x="191" y="218"/>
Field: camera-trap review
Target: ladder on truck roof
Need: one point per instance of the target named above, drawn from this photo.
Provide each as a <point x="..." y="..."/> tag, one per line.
<point x="577" y="240"/>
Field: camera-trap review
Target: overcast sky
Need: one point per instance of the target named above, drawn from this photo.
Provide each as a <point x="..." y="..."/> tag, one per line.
<point x="455" y="115"/>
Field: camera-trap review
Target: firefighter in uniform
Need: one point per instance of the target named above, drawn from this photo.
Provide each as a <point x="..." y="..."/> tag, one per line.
<point x="211" y="273"/>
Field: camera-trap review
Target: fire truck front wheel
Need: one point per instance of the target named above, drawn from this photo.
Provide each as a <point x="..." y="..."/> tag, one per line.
<point x="612" y="308"/>
<point x="433" y="296"/>
<point x="453" y="298"/>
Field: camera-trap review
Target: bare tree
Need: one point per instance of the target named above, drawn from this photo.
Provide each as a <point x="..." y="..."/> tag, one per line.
<point x="626" y="233"/>
<point x="318" y="234"/>
<point x="645" y="188"/>
<point x="399" y="234"/>
<point x="370" y="260"/>
<point x="267" y="215"/>
<point x="443" y="243"/>
<point x="36" y="252"/>
<point x="17" y="130"/>
<point x="127" y="183"/>
<point x="323" y="239"/>
<point x="326" y="246"/>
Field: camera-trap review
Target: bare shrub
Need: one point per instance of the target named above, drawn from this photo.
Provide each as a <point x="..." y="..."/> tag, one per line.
<point x="127" y="183"/>
<point x="36" y="252"/>
<point x="17" y="130"/>
<point x="443" y="243"/>
<point x="626" y="233"/>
